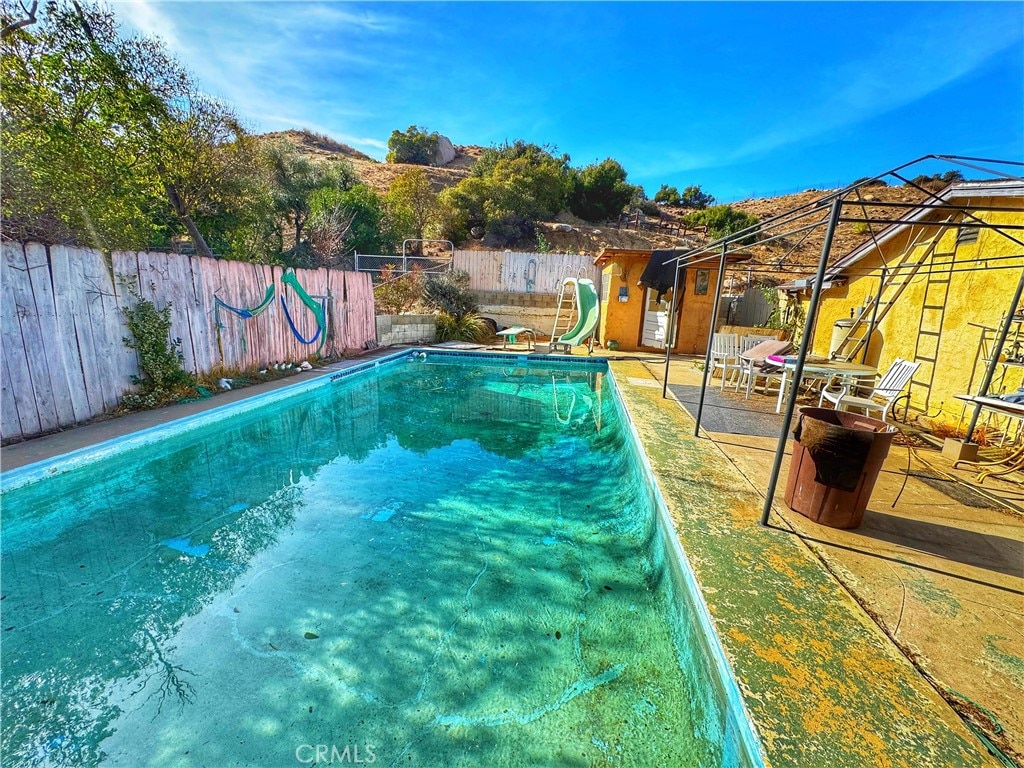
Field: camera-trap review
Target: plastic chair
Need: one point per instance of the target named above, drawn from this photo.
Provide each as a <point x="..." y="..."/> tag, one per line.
<point x="725" y="354"/>
<point x="882" y="396"/>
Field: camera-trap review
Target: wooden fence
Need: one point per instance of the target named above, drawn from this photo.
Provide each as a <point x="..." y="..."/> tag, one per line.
<point x="514" y="273"/>
<point x="62" y="324"/>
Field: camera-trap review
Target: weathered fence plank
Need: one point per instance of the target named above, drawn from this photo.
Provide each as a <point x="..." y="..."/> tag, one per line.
<point x="10" y="424"/>
<point x="15" y="349"/>
<point x="38" y="264"/>
<point x="112" y="299"/>
<point x="67" y="335"/>
<point x="35" y="343"/>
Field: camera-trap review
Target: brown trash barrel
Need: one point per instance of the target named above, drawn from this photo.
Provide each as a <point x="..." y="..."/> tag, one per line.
<point x="826" y="504"/>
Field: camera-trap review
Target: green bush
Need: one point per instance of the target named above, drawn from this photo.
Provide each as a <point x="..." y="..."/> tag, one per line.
<point x="469" y="327"/>
<point x="163" y="379"/>
<point x="667" y="195"/>
<point x="695" y="197"/>
<point x="510" y="229"/>
<point x="648" y="208"/>
<point x="600" y="191"/>
<point x="414" y="146"/>
<point x="449" y="294"/>
<point x="722" y="220"/>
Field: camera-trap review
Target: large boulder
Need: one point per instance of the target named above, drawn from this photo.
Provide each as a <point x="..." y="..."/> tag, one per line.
<point x="445" y="152"/>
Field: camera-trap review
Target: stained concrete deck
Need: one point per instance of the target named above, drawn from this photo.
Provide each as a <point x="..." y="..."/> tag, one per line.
<point x="942" y="580"/>
<point x="796" y="604"/>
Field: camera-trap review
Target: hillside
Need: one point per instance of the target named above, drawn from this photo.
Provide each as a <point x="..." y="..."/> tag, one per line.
<point x="372" y="172"/>
<point x="786" y="259"/>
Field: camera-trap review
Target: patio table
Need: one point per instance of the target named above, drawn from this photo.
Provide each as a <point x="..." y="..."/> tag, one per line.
<point x="828" y="368"/>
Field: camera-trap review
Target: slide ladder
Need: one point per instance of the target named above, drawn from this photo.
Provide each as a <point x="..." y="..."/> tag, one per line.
<point x="577" y="299"/>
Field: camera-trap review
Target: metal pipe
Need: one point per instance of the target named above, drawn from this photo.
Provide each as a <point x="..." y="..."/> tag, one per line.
<point x="994" y="356"/>
<point x="669" y="330"/>
<point x="941" y="224"/>
<point x="711" y="336"/>
<point x="938" y="206"/>
<point x="874" y="314"/>
<point x="798" y="372"/>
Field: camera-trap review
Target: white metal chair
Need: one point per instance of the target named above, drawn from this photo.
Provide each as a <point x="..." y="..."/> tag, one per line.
<point x="754" y="365"/>
<point x="725" y="354"/>
<point x="881" y="397"/>
<point x="751" y="340"/>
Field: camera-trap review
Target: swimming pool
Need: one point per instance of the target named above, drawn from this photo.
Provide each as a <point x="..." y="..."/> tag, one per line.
<point x="433" y="560"/>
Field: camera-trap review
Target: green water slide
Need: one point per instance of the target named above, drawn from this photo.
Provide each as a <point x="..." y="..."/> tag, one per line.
<point x="588" y="309"/>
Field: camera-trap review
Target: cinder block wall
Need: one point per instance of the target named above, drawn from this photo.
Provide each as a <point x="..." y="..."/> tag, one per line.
<point x="406" y="329"/>
<point x="532" y="310"/>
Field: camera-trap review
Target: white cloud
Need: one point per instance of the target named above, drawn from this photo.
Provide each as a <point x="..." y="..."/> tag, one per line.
<point x="149" y="19"/>
<point x="900" y="68"/>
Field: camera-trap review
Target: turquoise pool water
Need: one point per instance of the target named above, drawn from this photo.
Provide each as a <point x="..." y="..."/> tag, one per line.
<point x="429" y="563"/>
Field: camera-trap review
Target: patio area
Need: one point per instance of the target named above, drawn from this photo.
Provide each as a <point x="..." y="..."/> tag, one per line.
<point x="938" y="564"/>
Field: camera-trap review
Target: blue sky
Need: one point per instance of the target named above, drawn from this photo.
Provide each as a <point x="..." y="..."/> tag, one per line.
<point x="744" y="99"/>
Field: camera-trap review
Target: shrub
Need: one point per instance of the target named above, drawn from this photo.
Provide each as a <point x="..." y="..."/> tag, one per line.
<point x="695" y="197"/>
<point x="722" y="220"/>
<point x="648" y="208"/>
<point x="449" y="294"/>
<point x="414" y="145"/>
<point x="937" y="181"/>
<point x="667" y="195"/>
<point x="163" y="379"/>
<point x="469" y="327"/>
<point x="509" y="229"/>
<point x="395" y="294"/>
<point x="600" y="191"/>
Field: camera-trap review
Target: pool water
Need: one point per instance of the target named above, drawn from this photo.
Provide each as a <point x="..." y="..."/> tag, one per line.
<point x="430" y="564"/>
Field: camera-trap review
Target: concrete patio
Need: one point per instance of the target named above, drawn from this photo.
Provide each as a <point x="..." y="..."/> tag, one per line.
<point x="937" y="566"/>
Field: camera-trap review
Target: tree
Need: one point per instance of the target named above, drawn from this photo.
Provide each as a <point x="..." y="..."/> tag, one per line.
<point x="294" y="177"/>
<point x="722" y="220"/>
<point x="414" y="146"/>
<point x="600" y="191"/>
<point x="412" y="204"/>
<point x="667" y="195"/>
<point x="98" y="128"/>
<point x="198" y="154"/>
<point x="68" y="132"/>
<point x="12" y="23"/>
<point x="695" y="197"/>
<point x="345" y="221"/>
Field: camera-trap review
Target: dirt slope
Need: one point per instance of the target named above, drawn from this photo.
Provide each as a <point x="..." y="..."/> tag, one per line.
<point x="373" y="172"/>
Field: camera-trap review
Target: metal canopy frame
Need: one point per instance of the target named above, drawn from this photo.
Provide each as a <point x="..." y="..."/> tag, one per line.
<point x="831" y="210"/>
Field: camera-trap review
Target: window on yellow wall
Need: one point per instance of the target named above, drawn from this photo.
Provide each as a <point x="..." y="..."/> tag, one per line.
<point x="967" y="235"/>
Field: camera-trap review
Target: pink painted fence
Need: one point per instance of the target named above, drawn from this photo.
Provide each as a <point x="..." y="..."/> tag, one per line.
<point x="62" y="324"/>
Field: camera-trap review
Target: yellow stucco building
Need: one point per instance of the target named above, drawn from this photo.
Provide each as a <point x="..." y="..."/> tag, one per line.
<point x="938" y="295"/>
<point x="632" y="316"/>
